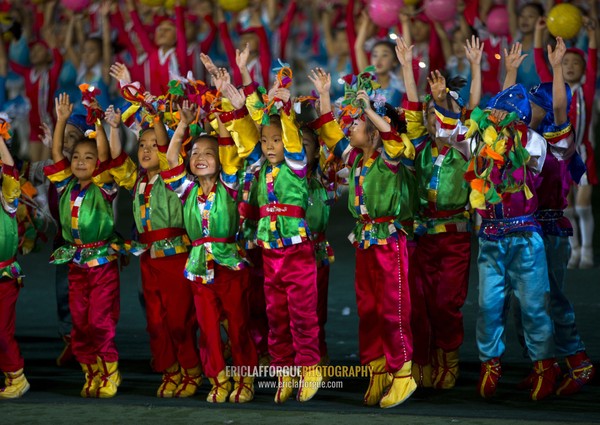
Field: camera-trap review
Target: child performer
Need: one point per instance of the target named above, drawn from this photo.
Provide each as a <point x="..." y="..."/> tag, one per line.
<point x="163" y="245"/>
<point x="550" y="104"/>
<point x="580" y="75"/>
<point x="11" y="361"/>
<point x="288" y="253"/>
<point x="373" y="151"/>
<point x="502" y="174"/>
<point x="216" y="263"/>
<point x="443" y="250"/>
<point x="86" y="192"/>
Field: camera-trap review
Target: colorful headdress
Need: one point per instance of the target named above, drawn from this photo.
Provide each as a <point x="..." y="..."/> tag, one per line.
<point x="79" y="121"/>
<point x="513" y="99"/>
<point x="498" y="167"/>
<point x="351" y="107"/>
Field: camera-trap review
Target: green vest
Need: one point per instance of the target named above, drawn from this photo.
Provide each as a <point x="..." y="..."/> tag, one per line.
<point x="290" y="190"/>
<point x="223" y="222"/>
<point x="449" y="191"/>
<point x="382" y="196"/>
<point x="9" y="242"/>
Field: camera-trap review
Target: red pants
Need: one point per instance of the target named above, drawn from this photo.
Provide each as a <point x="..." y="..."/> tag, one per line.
<point x="443" y="270"/>
<point x="225" y="298"/>
<point x="258" y="322"/>
<point x="291" y="295"/>
<point x="322" y="292"/>
<point x="419" y="319"/>
<point x="94" y="303"/>
<point x="170" y="314"/>
<point x="10" y="356"/>
<point x="383" y="301"/>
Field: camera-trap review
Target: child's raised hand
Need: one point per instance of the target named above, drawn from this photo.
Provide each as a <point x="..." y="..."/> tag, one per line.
<point x="46" y="136"/>
<point x="120" y="73"/>
<point x="273" y="90"/>
<point x="63" y="107"/>
<point x="208" y="64"/>
<point x="404" y="52"/>
<point x="237" y="99"/>
<point x="112" y="116"/>
<point x="364" y="100"/>
<point x="589" y="24"/>
<point x="187" y="112"/>
<point x="555" y="56"/>
<point x="540" y="24"/>
<point x="241" y="57"/>
<point x="282" y="94"/>
<point x="437" y="83"/>
<point x="321" y="80"/>
<point x="221" y="78"/>
<point x="474" y="50"/>
<point x="514" y="58"/>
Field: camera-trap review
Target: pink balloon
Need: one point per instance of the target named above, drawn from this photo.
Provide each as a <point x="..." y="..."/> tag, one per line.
<point x="76" y="5"/>
<point x="440" y="10"/>
<point x="497" y="21"/>
<point x="384" y="13"/>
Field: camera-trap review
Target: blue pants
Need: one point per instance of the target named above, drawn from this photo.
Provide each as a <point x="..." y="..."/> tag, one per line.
<point x="514" y="264"/>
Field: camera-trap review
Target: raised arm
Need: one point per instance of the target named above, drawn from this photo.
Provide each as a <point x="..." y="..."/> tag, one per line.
<point x="474" y="52"/>
<point x="187" y="114"/>
<point x="365" y="27"/>
<point x="559" y="93"/>
<point x="64" y="108"/>
<point x="241" y="60"/>
<point x="382" y="125"/>
<point x="405" y="57"/>
<point x="112" y="117"/>
<point x="322" y="83"/>
<point x="444" y="40"/>
<point x="512" y="61"/>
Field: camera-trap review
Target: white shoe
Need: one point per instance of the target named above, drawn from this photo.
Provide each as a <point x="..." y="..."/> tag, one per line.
<point x="587" y="257"/>
<point x="575" y="257"/>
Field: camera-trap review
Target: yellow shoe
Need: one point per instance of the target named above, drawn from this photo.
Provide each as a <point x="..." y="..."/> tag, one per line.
<point x="422" y="375"/>
<point x="221" y="387"/>
<point x="109" y="379"/>
<point x="310" y="382"/>
<point x="285" y="388"/>
<point x="446" y="370"/>
<point x="15" y="385"/>
<point x="380" y="379"/>
<point x="403" y="385"/>
<point x="243" y="389"/>
<point x="191" y="379"/>
<point x="170" y="381"/>
<point x="92" y="376"/>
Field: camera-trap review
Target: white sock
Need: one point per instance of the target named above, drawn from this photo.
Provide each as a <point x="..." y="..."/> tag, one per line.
<point x="570" y="214"/>
<point x="586" y="223"/>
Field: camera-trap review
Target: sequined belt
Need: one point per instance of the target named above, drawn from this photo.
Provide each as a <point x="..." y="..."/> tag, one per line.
<point x="386" y="219"/>
<point x="286" y="210"/>
<point x="90" y="245"/>
<point x="496" y="229"/>
<point x="207" y="239"/>
<point x="160" y="234"/>
<point x="549" y="215"/>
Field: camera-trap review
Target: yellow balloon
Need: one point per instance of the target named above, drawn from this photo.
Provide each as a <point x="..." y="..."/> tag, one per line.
<point x="153" y="3"/>
<point x="233" y="5"/>
<point x="564" y="20"/>
<point x="170" y="4"/>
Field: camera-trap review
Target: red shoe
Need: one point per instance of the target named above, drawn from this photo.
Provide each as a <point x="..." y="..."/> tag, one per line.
<point x="544" y="383"/>
<point x="66" y="356"/>
<point x="581" y="371"/>
<point x="490" y="374"/>
<point x="527" y="382"/>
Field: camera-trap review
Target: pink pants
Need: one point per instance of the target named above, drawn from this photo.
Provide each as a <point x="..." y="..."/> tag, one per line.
<point x="291" y="296"/>
<point x="226" y="298"/>
<point x="258" y="322"/>
<point x="383" y="301"/>
<point x="170" y="314"/>
<point x="419" y="319"/>
<point x="94" y="303"/>
<point x="10" y="356"/>
<point x="443" y="270"/>
<point x="322" y="292"/>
